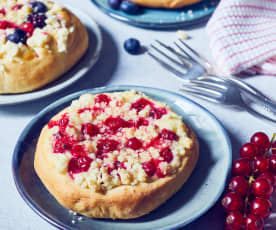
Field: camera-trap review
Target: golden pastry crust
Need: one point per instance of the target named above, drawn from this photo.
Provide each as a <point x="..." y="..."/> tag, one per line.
<point x="33" y="66"/>
<point x="165" y="3"/>
<point x="121" y="202"/>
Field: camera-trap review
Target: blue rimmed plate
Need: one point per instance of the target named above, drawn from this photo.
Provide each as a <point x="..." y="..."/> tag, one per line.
<point x="77" y="72"/>
<point x="198" y="194"/>
<point x="163" y="18"/>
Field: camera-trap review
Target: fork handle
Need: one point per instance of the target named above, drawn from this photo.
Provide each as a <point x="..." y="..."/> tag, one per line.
<point x="255" y="95"/>
<point x="243" y="85"/>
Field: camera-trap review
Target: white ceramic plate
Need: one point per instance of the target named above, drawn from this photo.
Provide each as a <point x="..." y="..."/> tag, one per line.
<point x="78" y="71"/>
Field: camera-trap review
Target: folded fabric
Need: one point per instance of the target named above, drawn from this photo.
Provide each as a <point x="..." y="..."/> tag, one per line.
<point x="243" y="36"/>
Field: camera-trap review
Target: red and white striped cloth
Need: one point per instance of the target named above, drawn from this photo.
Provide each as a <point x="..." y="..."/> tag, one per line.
<point x="243" y="36"/>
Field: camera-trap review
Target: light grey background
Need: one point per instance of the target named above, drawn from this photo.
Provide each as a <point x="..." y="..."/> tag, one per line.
<point x="116" y="67"/>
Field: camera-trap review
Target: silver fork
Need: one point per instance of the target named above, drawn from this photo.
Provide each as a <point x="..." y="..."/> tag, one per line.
<point x="222" y="92"/>
<point x="198" y="69"/>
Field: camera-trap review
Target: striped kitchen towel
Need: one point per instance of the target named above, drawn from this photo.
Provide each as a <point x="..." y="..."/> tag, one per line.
<point x="243" y="36"/>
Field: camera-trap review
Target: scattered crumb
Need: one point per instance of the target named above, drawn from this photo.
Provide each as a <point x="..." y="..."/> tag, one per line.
<point x="181" y="34"/>
<point x="80" y="218"/>
<point x="73" y="221"/>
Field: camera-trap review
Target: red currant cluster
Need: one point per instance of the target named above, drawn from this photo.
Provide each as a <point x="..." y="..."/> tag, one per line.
<point x="254" y="177"/>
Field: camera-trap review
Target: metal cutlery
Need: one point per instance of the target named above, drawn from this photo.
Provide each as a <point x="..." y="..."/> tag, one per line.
<point x="199" y="79"/>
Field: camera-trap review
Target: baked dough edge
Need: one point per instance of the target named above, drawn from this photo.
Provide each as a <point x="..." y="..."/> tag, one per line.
<point x="123" y="202"/>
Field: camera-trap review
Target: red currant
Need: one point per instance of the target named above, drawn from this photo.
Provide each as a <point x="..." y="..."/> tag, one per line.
<point x="270" y="176"/>
<point x="239" y="185"/>
<point x="4" y="24"/>
<point x="159" y="172"/>
<point x="149" y="167"/>
<point x="232" y="202"/>
<point x="115" y="123"/>
<point x="261" y="139"/>
<point x="273" y="147"/>
<point x="241" y="167"/>
<point x="261" y="207"/>
<point x="253" y="222"/>
<point x="166" y="154"/>
<point x="134" y="143"/>
<point x="262" y="187"/>
<point x="272" y="163"/>
<point x="168" y="135"/>
<point x="28" y="28"/>
<point x="90" y="129"/>
<point x="106" y="145"/>
<point x="140" y="104"/>
<point x="102" y="98"/>
<point x="261" y="164"/>
<point x="78" y="165"/>
<point x="78" y="150"/>
<point x="249" y="150"/>
<point x="234" y="221"/>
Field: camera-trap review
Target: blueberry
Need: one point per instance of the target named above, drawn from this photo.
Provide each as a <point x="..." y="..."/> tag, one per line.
<point x="129" y="7"/>
<point x="132" y="46"/>
<point x="115" y="4"/>
<point x="38" y="7"/>
<point x="18" y="36"/>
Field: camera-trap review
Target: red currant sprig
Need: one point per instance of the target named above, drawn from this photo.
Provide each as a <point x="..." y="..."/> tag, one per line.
<point x="247" y="203"/>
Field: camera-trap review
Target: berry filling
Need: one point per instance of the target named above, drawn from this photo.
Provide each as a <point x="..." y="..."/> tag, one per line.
<point x="102" y="98"/>
<point x="134" y="143"/>
<point x="78" y="150"/>
<point x="37" y="19"/>
<point x="128" y="146"/>
<point x="141" y="104"/>
<point x="166" y="154"/>
<point x="78" y="164"/>
<point x="168" y="135"/>
<point x="116" y="123"/>
<point x="3" y="12"/>
<point x="17" y="7"/>
<point x="90" y="129"/>
<point x="155" y="113"/>
<point x="106" y="145"/>
<point x="61" y="123"/>
<point x="84" y="110"/>
<point x="149" y="167"/>
<point x="38" y="7"/>
<point x="28" y="28"/>
<point x="141" y="122"/>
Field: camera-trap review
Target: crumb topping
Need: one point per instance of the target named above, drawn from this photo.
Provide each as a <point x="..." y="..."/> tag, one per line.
<point x="27" y="33"/>
<point x="123" y="138"/>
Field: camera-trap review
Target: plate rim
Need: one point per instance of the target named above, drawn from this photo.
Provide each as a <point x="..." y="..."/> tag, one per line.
<point x="61" y="225"/>
<point x="137" y="23"/>
<point x="41" y="93"/>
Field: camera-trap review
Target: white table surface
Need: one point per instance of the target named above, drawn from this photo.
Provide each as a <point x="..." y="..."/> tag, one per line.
<point x="116" y="67"/>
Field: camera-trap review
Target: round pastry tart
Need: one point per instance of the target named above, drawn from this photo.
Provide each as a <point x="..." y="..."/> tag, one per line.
<point x="39" y="41"/>
<point x="115" y="155"/>
<point x="165" y="3"/>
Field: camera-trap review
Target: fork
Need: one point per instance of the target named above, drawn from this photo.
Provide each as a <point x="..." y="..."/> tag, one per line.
<point x="196" y="67"/>
<point x="221" y="92"/>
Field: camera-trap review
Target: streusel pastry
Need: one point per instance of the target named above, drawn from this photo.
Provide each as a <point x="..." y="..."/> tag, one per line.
<point x="39" y="41"/>
<point x="115" y="155"/>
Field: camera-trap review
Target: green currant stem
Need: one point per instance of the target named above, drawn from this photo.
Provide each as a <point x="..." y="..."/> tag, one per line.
<point x="251" y="179"/>
<point x="272" y="138"/>
<point x="270" y="145"/>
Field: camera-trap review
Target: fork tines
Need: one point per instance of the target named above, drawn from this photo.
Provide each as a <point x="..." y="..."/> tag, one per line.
<point x="177" y="60"/>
